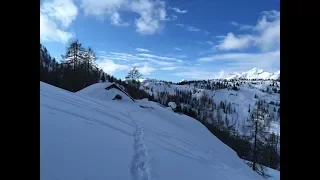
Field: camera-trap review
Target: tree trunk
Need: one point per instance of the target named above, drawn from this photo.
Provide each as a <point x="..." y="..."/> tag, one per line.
<point x="255" y="148"/>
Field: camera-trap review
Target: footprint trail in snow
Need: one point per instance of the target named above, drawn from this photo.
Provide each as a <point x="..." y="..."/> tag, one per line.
<point x="140" y="167"/>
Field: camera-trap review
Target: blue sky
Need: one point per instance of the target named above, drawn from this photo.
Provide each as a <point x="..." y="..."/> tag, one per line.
<point x="169" y="40"/>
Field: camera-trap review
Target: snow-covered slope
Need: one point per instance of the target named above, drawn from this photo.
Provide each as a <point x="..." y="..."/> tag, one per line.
<point x="240" y="100"/>
<point x="273" y="174"/>
<point x="98" y="91"/>
<point x="255" y="73"/>
<point x="83" y="136"/>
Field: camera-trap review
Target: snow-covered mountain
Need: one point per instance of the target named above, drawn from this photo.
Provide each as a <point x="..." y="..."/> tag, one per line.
<point x="234" y="75"/>
<point x="87" y="135"/>
<point x="255" y="73"/>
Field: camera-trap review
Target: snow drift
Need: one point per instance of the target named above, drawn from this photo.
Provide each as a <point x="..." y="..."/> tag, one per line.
<point x="98" y="91"/>
<point x="85" y="135"/>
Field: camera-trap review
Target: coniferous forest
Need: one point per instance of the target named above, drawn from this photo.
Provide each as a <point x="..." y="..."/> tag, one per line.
<point x="77" y="70"/>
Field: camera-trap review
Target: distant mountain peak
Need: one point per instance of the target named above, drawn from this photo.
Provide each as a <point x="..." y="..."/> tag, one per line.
<point x="256" y="70"/>
<point x="254" y="73"/>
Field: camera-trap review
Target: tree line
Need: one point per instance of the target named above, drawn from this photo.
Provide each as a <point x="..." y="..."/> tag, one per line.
<point x="78" y="69"/>
<point x="212" y="85"/>
<point x="256" y="144"/>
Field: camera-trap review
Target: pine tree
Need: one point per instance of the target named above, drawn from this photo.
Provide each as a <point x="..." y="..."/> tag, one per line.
<point x="229" y="108"/>
<point x="219" y="119"/>
<point x="71" y="74"/>
<point x="89" y="59"/>
<point x="73" y="57"/>
<point x="204" y="99"/>
<point x="103" y="78"/>
<point x="258" y="134"/>
<point x="221" y="105"/>
<point x="229" y="128"/>
<point x="270" y="153"/>
<point x="224" y="104"/>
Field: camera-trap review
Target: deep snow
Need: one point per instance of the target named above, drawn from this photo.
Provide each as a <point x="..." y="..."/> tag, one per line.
<point x="88" y="136"/>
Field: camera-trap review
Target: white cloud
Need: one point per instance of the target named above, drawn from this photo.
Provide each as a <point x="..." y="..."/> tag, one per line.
<point x="178" y="56"/>
<point x="101" y="52"/>
<point x="159" y="57"/>
<point x="177" y="49"/>
<point x="110" y="67"/>
<point x="268" y="28"/>
<point x="177" y="10"/>
<point x="180" y="25"/>
<point x="151" y="12"/>
<point x="203" y="42"/>
<point x="55" y="17"/>
<point x="182" y="56"/>
<point x="169" y="68"/>
<point x="234" y="23"/>
<point x="102" y="7"/>
<point x="206" y="32"/>
<point x="147" y="63"/>
<point x="192" y="29"/>
<point x="161" y="63"/>
<point x="241" y="26"/>
<point x="142" y="50"/>
<point x="50" y="32"/>
<point x="130" y="58"/>
<point x="219" y="37"/>
<point x="244" y="61"/>
<point x="189" y="28"/>
<point x="265" y="34"/>
<point x="171" y="18"/>
<point x="137" y="64"/>
<point x="209" y="42"/>
<point x="232" y="42"/>
<point x="241" y="56"/>
<point x="116" y="20"/>
<point x="146" y="69"/>
<point x="64" y="11"/>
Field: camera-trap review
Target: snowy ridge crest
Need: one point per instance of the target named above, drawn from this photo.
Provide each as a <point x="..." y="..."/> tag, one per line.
<point x="255" y="73"/>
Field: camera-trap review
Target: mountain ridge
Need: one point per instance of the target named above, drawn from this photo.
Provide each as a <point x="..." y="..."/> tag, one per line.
<point x="254" y="73"/>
